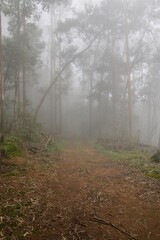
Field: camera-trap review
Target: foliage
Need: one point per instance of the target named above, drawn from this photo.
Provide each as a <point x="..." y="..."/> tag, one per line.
<point x="103" y="68"/>
<point x="11" y="148"/>
<point x="153" y="172"/>
<point x="137" y="159"/>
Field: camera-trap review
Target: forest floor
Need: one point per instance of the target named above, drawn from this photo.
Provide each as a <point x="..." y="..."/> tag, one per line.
<point x="79" y="194"/>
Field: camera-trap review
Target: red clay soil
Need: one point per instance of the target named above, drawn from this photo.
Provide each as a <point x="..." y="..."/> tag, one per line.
<point x="58" y="200"/>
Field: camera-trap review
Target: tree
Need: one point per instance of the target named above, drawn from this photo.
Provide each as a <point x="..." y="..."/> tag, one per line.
<point x="1" y="78"/>
<point x="26" y="49"/>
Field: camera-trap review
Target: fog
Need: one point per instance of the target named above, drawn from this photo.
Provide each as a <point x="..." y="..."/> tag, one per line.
<point x="84" y="69"/>
<point x="79" y="119"/>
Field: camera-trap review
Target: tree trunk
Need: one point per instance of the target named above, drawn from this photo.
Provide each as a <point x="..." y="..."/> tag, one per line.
<point x="128" y="73"/>
<point x="90" y="104"/>
<point x="1" y="78"/>
<point x="17" y="73"/>
<point x="24" y="65"/>
<point x="60" y="83"/>
<point x="52" y="14"/>
<point x="91" y="91"/>
<point x="114" y="91"/>
<point x="100" y="115"/>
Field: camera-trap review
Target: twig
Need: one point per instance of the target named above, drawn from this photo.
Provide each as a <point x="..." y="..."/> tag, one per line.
<point x="101" y="221"/>
<point x="76" y="233"/>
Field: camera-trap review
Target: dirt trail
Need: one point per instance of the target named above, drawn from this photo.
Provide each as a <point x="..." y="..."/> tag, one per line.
<point x="61" y="199"/>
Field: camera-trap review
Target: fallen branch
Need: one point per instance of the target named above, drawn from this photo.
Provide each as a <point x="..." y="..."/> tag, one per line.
<point x="101" y="221"/>
<point x="48" y="142"/>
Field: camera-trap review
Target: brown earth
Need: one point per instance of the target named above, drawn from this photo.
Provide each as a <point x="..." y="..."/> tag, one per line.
<point x="59" y="199"/>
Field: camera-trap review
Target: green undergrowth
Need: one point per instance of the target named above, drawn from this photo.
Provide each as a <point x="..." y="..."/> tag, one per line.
<point x="57" y="145"/>
<point x="137" y="159"/>
<point x="11" y="147"/>
<point x="153" y="172"/>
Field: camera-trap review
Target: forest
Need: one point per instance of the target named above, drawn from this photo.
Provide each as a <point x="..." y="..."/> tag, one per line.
<point x="79" y="119"/>
<point x="94" y="72"/>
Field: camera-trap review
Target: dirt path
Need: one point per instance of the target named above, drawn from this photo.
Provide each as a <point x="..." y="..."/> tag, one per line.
<point x="58" y="201"/>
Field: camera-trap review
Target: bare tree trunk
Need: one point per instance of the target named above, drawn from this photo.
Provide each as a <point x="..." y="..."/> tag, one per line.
<point x="91" y="91"/>
<point x="114" y="91"/>
<point x="91" y="104"/>
<point x="60" y="83"/>
<point x="1" y="78"/>
<point x="60" y="105"/>
<point x="54" y="70"/>
<point x="128" y="73"/>
<point x="17" y="74"/>
<point x="51" y="64"/>
<point x="24" y="65"/>
<point x="100" y="114"/>
<point x="100" y="93"/>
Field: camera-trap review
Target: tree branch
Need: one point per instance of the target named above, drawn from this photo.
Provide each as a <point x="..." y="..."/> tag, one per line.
<point x="101" y="221"/>
<point x="59" y="74"/>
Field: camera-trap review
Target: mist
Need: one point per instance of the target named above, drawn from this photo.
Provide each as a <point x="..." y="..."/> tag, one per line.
<point x="79" y="119"/>
<point x="110" y="91"/>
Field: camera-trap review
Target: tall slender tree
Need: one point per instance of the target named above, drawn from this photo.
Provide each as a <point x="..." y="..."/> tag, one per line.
<point x="1" y="77"/>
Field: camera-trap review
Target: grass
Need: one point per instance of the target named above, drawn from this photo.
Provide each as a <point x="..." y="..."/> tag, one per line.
<point x="137" y="159"/>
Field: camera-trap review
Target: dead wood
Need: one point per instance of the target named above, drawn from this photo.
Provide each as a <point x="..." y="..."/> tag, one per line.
<point x="48" y="141"/>
<point x="104" y="222"/>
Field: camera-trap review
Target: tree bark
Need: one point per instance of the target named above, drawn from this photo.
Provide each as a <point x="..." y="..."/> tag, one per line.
<point x="17" y="72"/>
<point x="52" y="15"/>
<point x="128" y="73"/>
<point x="114" y="89"/>
<point x="1" y="77"/>
<point x="91" y="103"/>
<point x="60" y="83"/>
<point x="24" y="65"/>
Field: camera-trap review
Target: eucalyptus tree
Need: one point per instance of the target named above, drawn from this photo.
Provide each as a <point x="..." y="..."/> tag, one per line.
<point x="26" y="48"/>
<point x="1" y="78"/>
<point x="125" y="26"/>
